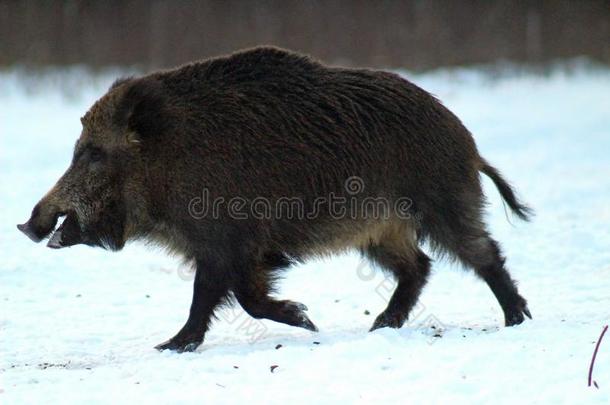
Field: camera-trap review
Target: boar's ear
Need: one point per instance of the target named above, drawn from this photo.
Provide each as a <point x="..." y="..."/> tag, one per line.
<point x="142" y="111"/>
<point x="121" y="81"/>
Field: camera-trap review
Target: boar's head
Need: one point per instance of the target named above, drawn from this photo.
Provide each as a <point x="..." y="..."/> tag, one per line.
<point x="103" y="194"/>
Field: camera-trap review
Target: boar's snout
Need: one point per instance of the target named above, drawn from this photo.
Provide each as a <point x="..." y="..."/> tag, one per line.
<point x="29" y="231"/>
<point x="41" y="222"/>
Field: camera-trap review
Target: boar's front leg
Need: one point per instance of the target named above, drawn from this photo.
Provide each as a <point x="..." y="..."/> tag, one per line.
<point x="209" y="290"/>
<point x="252" y="292"/>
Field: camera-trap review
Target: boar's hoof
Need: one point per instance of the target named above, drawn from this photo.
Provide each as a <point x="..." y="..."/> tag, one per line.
<point x="179" y="345"/>
<point x="296" y="310"/>
<point x="515" y="316"/>
<point x="307" y="323"/>
<point x="388" y="320"/>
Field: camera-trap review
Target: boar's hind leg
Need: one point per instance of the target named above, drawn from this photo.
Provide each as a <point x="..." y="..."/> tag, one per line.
<point x="411" y="270"/>
<point x="484" y="255"/>
<point x="458" y="227"/>
<point x="252" y="293"/>
<point x="209" y="290"/>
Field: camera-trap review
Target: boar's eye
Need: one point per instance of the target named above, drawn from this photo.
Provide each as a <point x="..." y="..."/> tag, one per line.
<point x="95" y="154"/>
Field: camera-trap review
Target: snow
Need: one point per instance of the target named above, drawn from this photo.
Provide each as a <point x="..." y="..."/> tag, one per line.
<point x="80" y="324"/>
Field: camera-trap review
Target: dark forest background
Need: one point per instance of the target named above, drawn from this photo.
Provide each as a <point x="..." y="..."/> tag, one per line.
<point x="413" y="34"/>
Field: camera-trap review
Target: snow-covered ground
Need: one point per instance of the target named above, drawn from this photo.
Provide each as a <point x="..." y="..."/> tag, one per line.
<point x="80" y="324"/>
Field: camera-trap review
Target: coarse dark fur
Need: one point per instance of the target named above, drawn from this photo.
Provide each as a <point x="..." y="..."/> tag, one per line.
<point x="269" y="124"/>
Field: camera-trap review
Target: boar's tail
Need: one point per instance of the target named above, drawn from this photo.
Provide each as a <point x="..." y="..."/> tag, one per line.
<point x="506" y="191"/>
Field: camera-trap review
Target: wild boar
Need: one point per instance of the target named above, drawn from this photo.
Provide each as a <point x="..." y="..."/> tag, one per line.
<point x="248" y="163"/>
